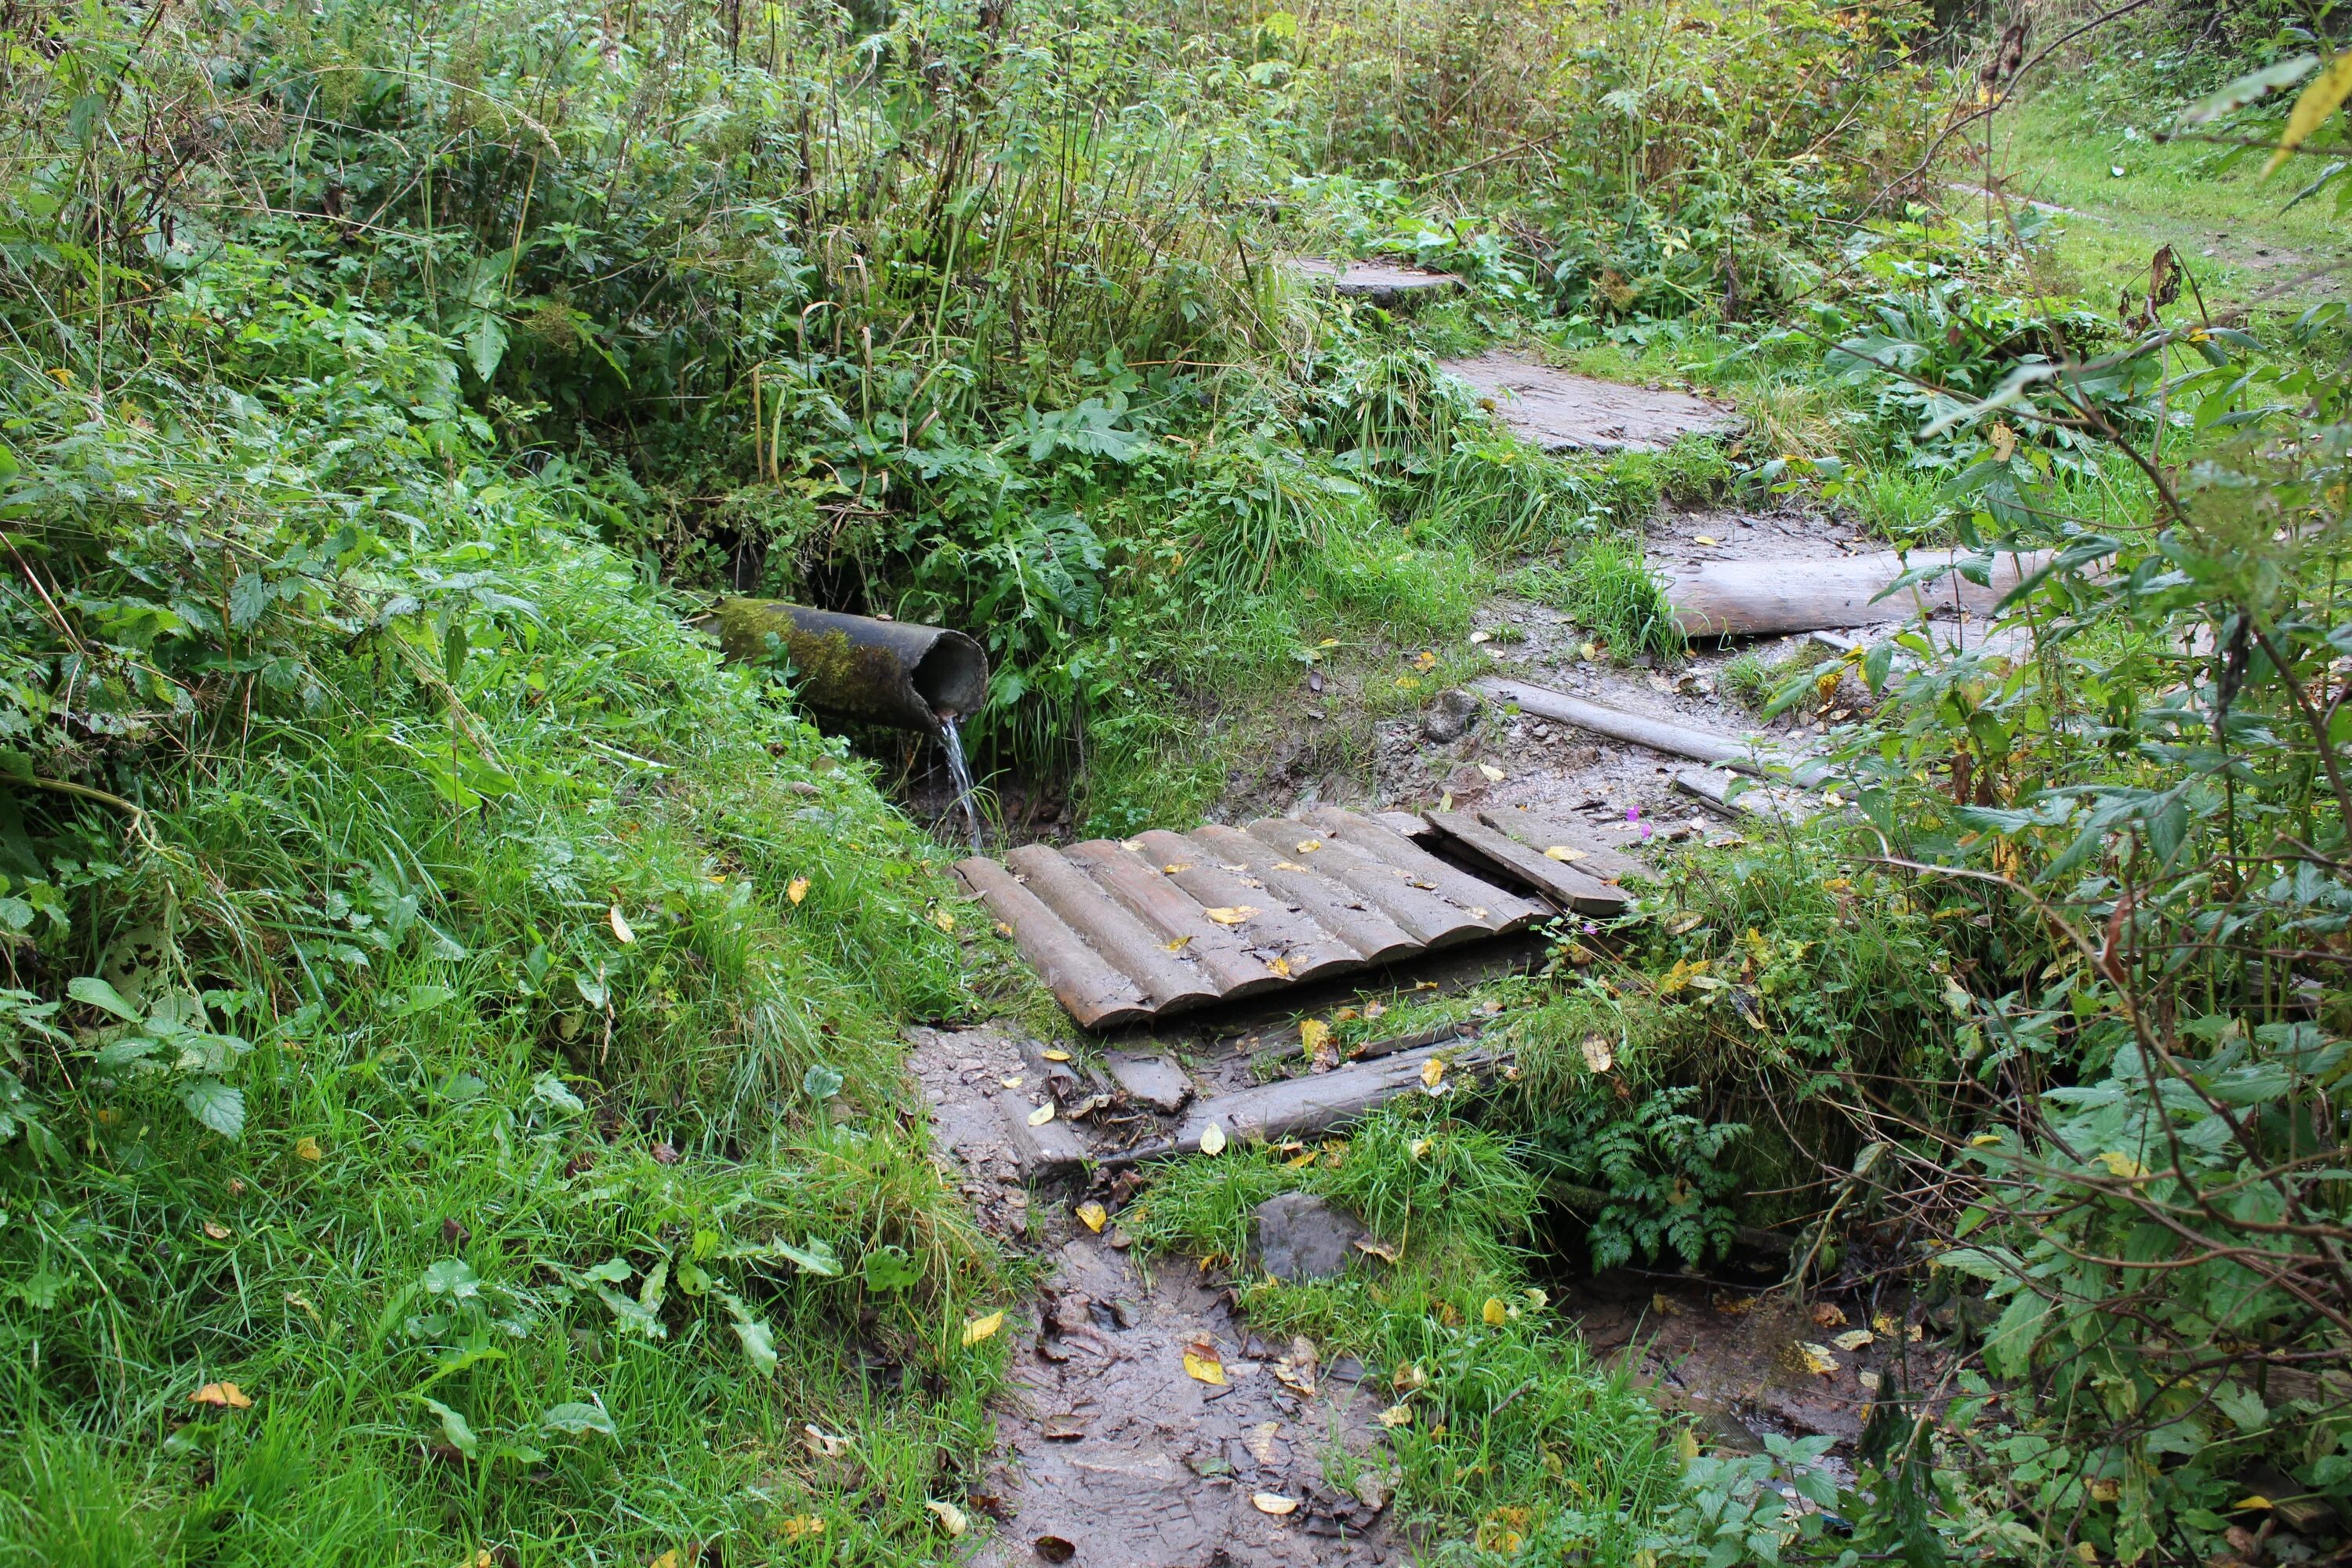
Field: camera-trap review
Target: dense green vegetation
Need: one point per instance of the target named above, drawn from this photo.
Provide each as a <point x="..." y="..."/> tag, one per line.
<point x="452" y="1107"/>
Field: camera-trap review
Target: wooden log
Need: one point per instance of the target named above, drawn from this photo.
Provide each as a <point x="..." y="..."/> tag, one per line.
<point x="1169" y="980"/>
<point x="1337" y="908"/>
<point x="1319" y="1102"/>
<point x="1675" y="739"/>
<point x="1147" y="893"/>
<point x="1423" y="911"/>
<point x="1410" y="826"/>
<point x="1584" y="894"/>
<point x="1097" y="995"/>
<point x="1279" y="931"/>
<point x="1585" y="852"/>
<point x="1372" y="837"/>
<point x="1752" y="598"/>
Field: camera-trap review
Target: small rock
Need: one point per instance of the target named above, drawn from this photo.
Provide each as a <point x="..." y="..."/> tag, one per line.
<point x="1300" y="1237"/>
<point x="1154" y="1080"/>
<point x="1449" y="717"/>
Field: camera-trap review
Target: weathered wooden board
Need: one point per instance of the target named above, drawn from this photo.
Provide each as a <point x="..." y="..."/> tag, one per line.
<point x="1165" y="922"/>
<point x="1568" y="842"/>
<point x="1558" y="880"/>
<point x="1561" y="411"/>
<point x="1383" y="282"/>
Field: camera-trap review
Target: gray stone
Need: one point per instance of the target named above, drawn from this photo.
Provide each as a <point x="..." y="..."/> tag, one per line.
<point x="1152" y="1080"/>
<point x="1300" y="1237"/>
<point x="1449" y="717"/>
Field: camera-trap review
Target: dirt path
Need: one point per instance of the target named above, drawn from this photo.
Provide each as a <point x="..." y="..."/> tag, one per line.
<point x="1115" y="1452"/>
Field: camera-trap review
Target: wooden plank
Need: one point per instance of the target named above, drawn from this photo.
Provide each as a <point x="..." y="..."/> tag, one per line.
<point x="1277" y="930"/>
<point x="1337" y="908"/>
<point x="1751" y="598"/>
<point x="1410" y="826"/>
<point x="1506" y="910"/>
<point x="1422" y="913"/>
<point x="1097" y="995"/>
<point x="1169" y="909"/>
<point x="1586" y="895"/>
<point x="1674" y="740"/>
<point x="1170" y="981"/>
<point x="1602" y="862"/>
<point x="1315" y="1103"/>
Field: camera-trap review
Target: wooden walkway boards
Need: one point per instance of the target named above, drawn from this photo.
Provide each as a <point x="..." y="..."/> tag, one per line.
<point x="1165" y="922"/>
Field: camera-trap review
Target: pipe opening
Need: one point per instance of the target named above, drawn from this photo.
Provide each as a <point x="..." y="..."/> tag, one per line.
<point x="952" y="677"/>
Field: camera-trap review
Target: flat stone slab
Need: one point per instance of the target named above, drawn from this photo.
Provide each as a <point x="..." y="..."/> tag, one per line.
<point x="1374" y="280"/>
<point x="1151" y="1079"/>
<point x="1300" y="1237"/>
<point x="1563" y="412"/>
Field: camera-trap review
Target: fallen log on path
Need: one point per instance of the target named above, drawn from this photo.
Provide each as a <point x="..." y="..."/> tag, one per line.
<point x="1657" y="734"/>
<point x="1759" y="598"/>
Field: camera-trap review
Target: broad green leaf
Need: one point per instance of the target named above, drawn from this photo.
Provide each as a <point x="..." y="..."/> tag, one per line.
<point x="453" y="1277"/>
<point x="216" y="1105"/>
<point x="576" y="1420"/>
<point x="817" y="1257"/>
<point x="2246" y="89"/>
<point x="454" y="1427"/>
<point x="97" y="993"/>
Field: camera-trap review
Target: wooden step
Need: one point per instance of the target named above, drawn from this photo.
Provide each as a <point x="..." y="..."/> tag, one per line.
<point x="1561" y="882"/>
<point x="1579" y="845"/>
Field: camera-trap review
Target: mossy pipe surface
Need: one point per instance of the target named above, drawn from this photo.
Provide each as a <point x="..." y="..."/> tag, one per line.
<point x="854" y="667"/>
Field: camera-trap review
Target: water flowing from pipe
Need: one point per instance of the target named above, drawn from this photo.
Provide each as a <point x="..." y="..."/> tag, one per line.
<point x="960" y="772"/>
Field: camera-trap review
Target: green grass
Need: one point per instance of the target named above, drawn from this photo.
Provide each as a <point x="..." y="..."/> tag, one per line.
<point x="1507" y="1434"/>
<point x="2055" y="147"/>
<point x="1608" y="589"/>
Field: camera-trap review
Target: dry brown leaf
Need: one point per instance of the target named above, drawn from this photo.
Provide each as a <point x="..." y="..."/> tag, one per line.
<point x="224" y="1395"/>
<point x="1274" y="1503"/>
<point x="1260" y="1441"/>
<point x="822" y="1443"/>
<point x="1829" y="1315"/>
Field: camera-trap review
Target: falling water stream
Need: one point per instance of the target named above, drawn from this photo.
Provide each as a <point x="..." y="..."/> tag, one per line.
<point x="959" y="771"/>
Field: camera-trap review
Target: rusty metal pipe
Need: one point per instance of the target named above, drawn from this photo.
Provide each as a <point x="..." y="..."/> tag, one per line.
<point x="853" y="666"/>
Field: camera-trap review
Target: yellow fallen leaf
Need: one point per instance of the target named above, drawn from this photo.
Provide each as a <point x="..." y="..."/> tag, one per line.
<point x="621" y="930"/>
<point x="1055" y="1055"/>
<point x="1597" y="1053"/>
<point x="1493" y="773"/>
<point x="803" y="1525"/>
<point x="1589" y="651"/>
<point x="1231" y="915"/>
<point x="1280" y="966"/>
<point x="2107" y="1489"/>
<point x="1408" y="683"/>
<point x="978" y="1328"/>
<point x="1179" y="944"/>
<point x="1201" y="1364"/>
<point x="1385" y="1251"/>
<point x="1314" y="1034"/>
<point x="1308" y="845"/>
<point x="1299" y="1162"/>
<point x="1002" y="928"/>
<point x="1417" y="1148"/>
<point x="307" y="1148"/>
<point x="1495" y="1313"/>
<point x="944" y="921"/>
<point x="2004" y="441"/>
<point x="2122" y="1164"/>
<point x="1212" y="1139"/>
<point x="2255" y="1502"/>
<point x="2317" y="101"/>
<point x="1395" y="1416"/>
<point x="1562" y="853"/>
<point x="822" y="1443"/>
<point x="1854" y="1340"/>
<point x="1817" y="1358"/>
<point x="1273" y="1503"/>
<point x="1432" y="1073"/>
<point x="1092" y="1213"/>
<point x="224" y="1395"/>
<point x="1536" y="1299"/>
<point x="1703" y="539"/>
<point x="1447" y="1315"/>
<point x="1042" y="1115"/>
<point x="951" y="1518"/>
<point x="1288" y="866"/>
<point x="1425" y="661"/>
<point x="2087" y="1550"/>
<point x="216" y="1230"/>
<point x="1829" y="1314"/>
<point x="797" y="889"/>
<point x="1885" y="1324"/>
<point x="667" y="1560"/>
<point x="1984" y="1140"/>
<point x="1172" y="871"/>
<point x="1686" y="1445"/>
<point x="1012" y="1082"/>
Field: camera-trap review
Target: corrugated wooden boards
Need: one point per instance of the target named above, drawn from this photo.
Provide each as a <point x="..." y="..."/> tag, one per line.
<point x="1167" y="921"/>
